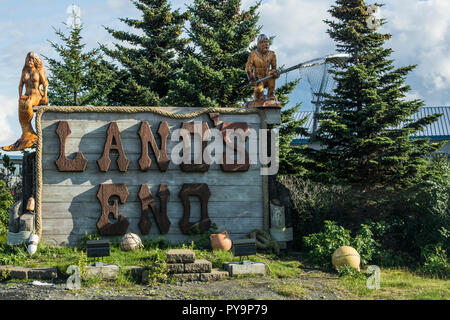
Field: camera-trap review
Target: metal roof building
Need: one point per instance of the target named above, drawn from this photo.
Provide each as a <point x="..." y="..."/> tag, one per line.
<point x="437" y="131"/>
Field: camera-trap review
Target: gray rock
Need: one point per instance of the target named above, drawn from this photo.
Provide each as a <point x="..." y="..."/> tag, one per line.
<point x="18" y="238"/>
<point x="14" y="213"/>
<point x="26" y="222"/>
<point x="107" y="272"/>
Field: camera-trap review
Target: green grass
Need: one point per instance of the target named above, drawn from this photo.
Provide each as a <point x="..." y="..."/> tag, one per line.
<point x="395" y="283"/>
<point x="63" y="257"/>
<point x="398" y="284"/>
<point x="289" y="289"/>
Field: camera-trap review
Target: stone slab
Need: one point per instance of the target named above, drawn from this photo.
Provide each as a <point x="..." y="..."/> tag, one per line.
<point x="235" y="269"/>
<point x="136" y="271"/>
<point x="14" y="272"/>
<point x="175" y="267"/>
<point x="185" y="277"/>
<point x="214" y="275"/>
<point x="43" y="273"/>
<point x="180" y="256"/>
<point x="171" y="268"/>
<point x="108" y="272"/>
<point x="198" y="266"/>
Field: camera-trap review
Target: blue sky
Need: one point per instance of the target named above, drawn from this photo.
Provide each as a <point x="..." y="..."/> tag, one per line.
<point x="420" y="35"/>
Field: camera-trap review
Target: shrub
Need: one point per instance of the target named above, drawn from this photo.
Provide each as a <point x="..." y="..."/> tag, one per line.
<point x="403" y="222"/>
<point x="313" y="203"/>
<point x="202" y="240"/>
<point x="158" y="268"/>
<point x="322" y="245"/>
<point x="6" y="201"/>
<point x="436" y="263"/>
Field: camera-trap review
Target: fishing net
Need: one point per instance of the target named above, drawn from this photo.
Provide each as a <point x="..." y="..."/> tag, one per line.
<point x="321" y="81"/>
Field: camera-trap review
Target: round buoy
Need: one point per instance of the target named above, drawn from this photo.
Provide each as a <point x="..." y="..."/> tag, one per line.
<point x="32" y="244"/>
<point x="131" y="241"/>
<point x="346" y="255"/>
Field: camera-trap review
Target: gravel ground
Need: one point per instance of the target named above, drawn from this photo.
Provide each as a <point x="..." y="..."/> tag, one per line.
<point x="316" y="286"/>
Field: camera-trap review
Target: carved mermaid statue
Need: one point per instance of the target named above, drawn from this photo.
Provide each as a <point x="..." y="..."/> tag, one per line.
<point x="33" y="77"/>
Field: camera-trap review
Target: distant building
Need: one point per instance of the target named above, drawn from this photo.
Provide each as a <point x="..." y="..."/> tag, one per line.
<point x="17" y="161"/>
<point x="437" y="132"/>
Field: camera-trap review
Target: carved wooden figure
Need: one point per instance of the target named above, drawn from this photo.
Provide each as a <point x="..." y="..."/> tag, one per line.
<point x="201" y="191"/>
<point x="78" y="164"/>
<point x="105" y="161"/>
<point x="261" y="63"/>
<point x="33" y="77"/>
<point x="105" y="192"/>
<point x="147" y="203"/>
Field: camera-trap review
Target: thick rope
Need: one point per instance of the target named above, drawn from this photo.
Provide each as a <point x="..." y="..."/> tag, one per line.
<point x="162" y="111"/>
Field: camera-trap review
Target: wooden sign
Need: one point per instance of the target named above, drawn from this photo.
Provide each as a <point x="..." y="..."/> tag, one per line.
<point x="108" y="170"/>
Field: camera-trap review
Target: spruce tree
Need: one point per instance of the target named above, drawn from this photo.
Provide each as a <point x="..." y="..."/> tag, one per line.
<point x="366" y="124"/>
<point x="77" y="78"/>
<point x="214" y="71"/>
<point x="149" y="58"/>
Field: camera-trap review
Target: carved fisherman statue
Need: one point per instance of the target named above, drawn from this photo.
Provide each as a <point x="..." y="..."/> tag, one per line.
<point x="262" y="63"/>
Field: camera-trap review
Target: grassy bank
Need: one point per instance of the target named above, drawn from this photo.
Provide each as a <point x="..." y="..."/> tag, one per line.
<point x="291" y="275"/>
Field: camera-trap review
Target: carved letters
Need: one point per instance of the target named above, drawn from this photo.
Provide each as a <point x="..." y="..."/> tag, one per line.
<point x="104" y="161"/>
<point x="147" y="137"/>
<point x="206" y="134"/>
<point x="201" y="191"/>
<point x="147" y="203"/>
<point x="78" y="164"/>
<point x="233" y="167"/>
<point x="105" y="192"/>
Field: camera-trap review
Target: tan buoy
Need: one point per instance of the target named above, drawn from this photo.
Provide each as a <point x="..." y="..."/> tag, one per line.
<point x="31" y="204"/>
<point x="346" y="255"/>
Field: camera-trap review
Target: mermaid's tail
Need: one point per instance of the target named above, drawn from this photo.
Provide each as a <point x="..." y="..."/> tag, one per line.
<point x="26" y="141"/>
<point x="28" y="137"/>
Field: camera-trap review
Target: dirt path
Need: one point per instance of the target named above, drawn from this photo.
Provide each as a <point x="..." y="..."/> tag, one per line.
<point x="313" y="285"/>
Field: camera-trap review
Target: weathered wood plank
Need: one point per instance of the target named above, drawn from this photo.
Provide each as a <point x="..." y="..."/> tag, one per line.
<point x="77" y="193"/>
<point x="80" y="210"/>
<point x="69" y="226"/>
<point x="171" y="177"/>
<point x="128" y="128"/>
<point x="49" y="116"/>
<point x="88" y="145"/>
<point x="71" y="240"/>
<point x="49" y="165"/>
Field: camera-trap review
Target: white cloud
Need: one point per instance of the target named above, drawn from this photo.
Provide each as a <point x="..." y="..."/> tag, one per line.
<point x="421" y="35"/>
<point x="8" y="115"/>
<point x="299" y="28"/>
<point x="117" y="4"/>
